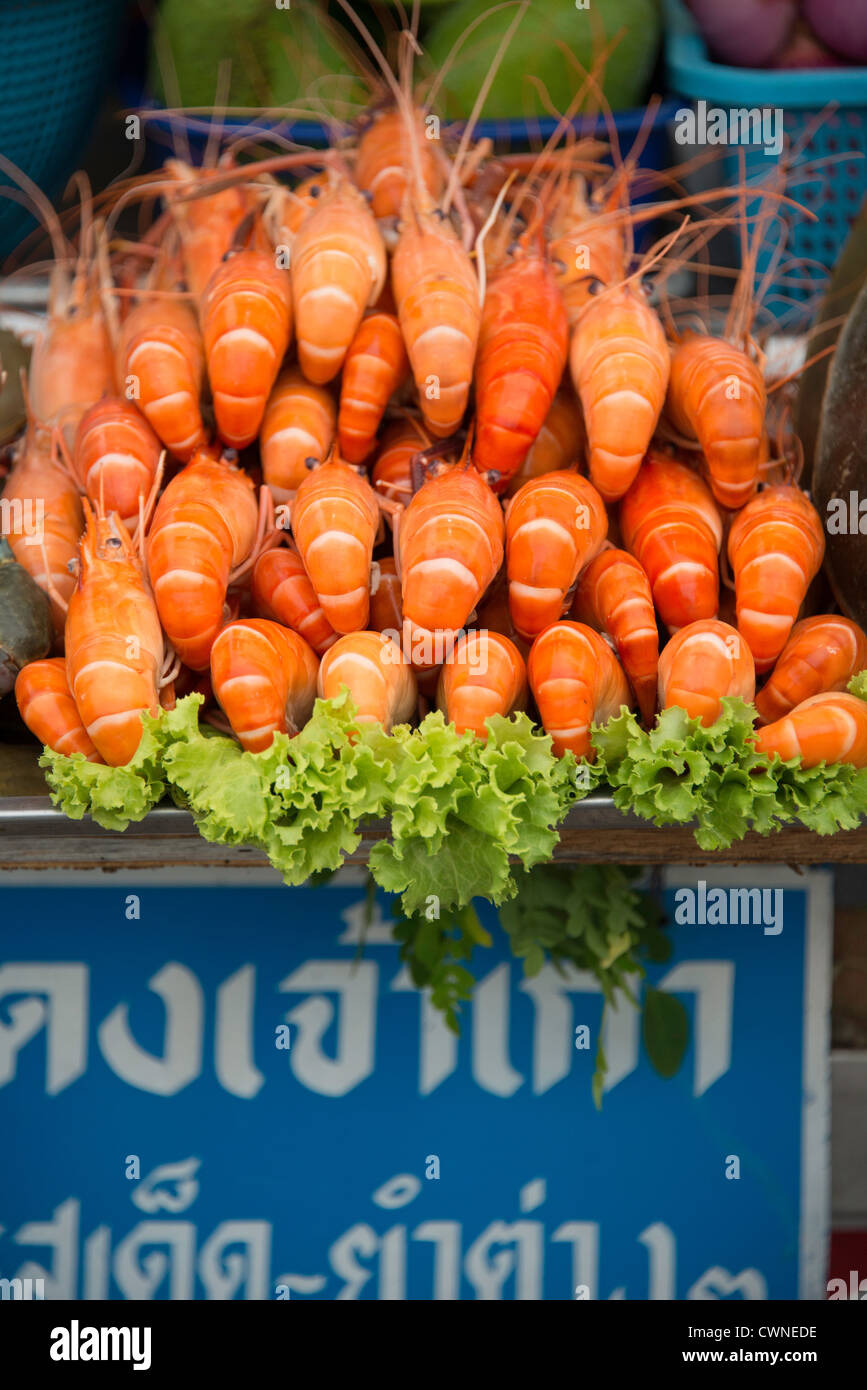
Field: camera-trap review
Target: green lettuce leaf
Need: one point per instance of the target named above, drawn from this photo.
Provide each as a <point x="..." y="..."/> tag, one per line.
<point x="461" y="807"/>
<point x="114" y="796"/>
<point x="301" y="800"/>
<point x="678" y="773"/>
<point x="858" y="685"/>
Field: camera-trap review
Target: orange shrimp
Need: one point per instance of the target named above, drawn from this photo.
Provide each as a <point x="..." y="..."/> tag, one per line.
<point x="71" y="365"/>
<point x="494" y="613"/>
<point x="576" y="681"/>
<point x="335" y="518"/>
<point x="826" y="728"/>
<point x="585" y="251"/>
<point x="246" y="314"/>
<point x="554" y="527"/>
<point x="523" y="344"/>
<point x="776" y="547"/>
<point x="115" y="457"/>
<point x="613" y="596"/>
<point x="391" y="476"/>
<point x="207" y="225"/>
<point x="484" y="675"/>
<point x="699" y="665"/>
<point x="282" y="591"/>
<point x="114" y="642"/>
<point x="46" y="705"/>
<point x="437" y="297"/>
<point x="264" y="677"/>
<point x="716" y="395"/>
<point x="375" y="367"/>
<point x="298" y="426"/>
<point x="287" y="208"/>
<point x="43" y="518"/>
<point x="161" y="364"/>
<point x="379" y="679"/>
<point x="821" y="654"/>
<point x="204" y="527"/>
<point x="450" y="549"/>
<point x="671" y="525"/>
<point x="386" y="609"/>
<point x="559" y="444"/>
<point x="619" y="360"/>
<point x="338" y="271"/>
<point x="383" y="157"/>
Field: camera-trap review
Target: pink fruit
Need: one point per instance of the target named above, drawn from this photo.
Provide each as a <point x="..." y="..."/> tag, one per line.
<point x="745" y="33"/>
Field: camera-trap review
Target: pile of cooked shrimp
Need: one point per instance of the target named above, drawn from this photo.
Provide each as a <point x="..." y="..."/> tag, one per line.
<point x="407" y="422"/>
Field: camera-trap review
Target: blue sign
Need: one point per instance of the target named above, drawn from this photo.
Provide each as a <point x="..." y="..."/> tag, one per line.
<point x="214" y="1092"/>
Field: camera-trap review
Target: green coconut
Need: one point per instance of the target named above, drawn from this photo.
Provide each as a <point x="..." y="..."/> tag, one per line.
<point x="536" y="51"/>
<point x="276" y="54"/>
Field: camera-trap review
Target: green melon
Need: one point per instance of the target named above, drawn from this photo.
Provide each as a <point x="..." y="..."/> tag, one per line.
<point x="276" y="54"/>
<point x="534" y="52"/>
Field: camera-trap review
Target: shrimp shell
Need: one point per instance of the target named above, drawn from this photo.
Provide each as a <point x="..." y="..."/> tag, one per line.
<point x="716" y="395"/>
<point x="203" y="528"/>
<point x="115" y="457"/>
<point x="282" y="591"/>
<point x="484" y="675"/>
<point x="375" y="367"/>
<point x="613" y="596"/>
<point x="620" y="361"/>
<point x="821" y="654"/>
<point x="437" y="297"/>
<point x="559" y="444"/>
<point x="334" y="521"/>
<point x="671" y="525"/>
<point x="376" y="674"/>
<point x="46" y="705"/>
<point x="338" y="270"/>
<point x="264" y="677"/>
<point x="114" y="642"/>
<point x="826" y="728"/>
<point x="703" y="662"/>
<point x="246" y="329"/>
<point x="776" y="547"/>
<point x="41" y="487"/>
<point x="299" y="424"/>
<point x="576" y="681"/>
<point x="160" y="356"/>
<point x="451" y="547"/>
<point x="554" y="526"/>
<point x="523" y="345"/>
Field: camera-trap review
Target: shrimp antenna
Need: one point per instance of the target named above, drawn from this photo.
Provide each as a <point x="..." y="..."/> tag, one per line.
<point x="479" y="102"/>
<point x="168" y="73"/>
<point x="221" y="97"/>
<point x="39" y="205"/>
<point x="456" y="48"/>
<point x="481" y="269"/>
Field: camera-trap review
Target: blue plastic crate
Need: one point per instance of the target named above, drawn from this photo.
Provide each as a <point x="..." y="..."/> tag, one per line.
<point x="507" y="136"/>
<point x="834" y="191"/>
<point x="55" y="57"/>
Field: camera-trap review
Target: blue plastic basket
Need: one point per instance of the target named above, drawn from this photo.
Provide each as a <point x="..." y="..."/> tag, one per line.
<point x="507" y="136"/>
<point x="55" y="56"/>
<point x="834" y="191"/>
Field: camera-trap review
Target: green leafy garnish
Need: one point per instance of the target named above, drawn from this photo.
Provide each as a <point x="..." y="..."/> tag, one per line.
<point x="460" y="807"/>
<point x="114" y="796"/>
<point x="301" y="801"/>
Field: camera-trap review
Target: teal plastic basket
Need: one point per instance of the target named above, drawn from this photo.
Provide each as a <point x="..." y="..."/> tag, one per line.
<point x="55" y="59"/>
<point x="833" y="191"/>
